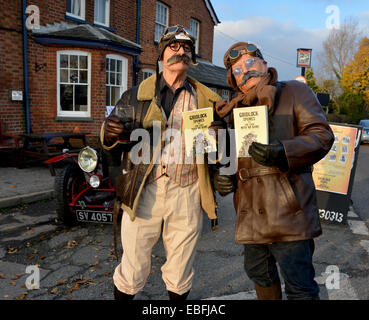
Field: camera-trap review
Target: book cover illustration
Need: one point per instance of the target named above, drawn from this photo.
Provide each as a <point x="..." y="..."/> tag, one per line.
<point x="196" y="124"/>
<point x="250" y="124"/>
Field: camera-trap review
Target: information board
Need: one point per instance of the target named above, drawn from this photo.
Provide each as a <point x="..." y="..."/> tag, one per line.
<point x="334" y="174"/>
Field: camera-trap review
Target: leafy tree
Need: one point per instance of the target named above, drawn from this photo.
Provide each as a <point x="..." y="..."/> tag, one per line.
<point x="352" y="105"/>
<point x="311" y="82"/>
<point x="355" y="77"/>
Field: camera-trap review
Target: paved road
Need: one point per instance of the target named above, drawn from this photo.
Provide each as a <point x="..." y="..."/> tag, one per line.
<point x="77" y="263"/>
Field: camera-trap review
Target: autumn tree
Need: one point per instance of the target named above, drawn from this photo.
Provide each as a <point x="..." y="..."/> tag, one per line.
<point x="355" y="76"/>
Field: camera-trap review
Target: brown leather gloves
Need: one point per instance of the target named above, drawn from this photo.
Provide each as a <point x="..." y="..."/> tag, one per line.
<point x="112" y="129"/>
<point x="224" y="184"/>
<point x="269" y="154"/>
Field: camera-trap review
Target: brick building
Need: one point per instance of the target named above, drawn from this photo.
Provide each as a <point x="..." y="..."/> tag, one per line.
<point x="70" y="60"/>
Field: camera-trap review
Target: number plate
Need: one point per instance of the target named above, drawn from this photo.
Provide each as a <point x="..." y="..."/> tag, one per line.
<point x="94" y="216"/>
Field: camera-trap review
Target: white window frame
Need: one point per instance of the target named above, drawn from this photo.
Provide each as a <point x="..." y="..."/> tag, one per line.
<point x="147" y="71"/>
<point x="83" y="10"/>
<point x="197" y="34"/>
<point x="124" y="80"/>
<point x="160" y="23"/>
<point x="107" y="14"/>
<point x="60" y="112"/>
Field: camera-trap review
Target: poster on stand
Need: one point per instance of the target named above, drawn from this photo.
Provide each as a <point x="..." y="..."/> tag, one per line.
<point x="334" y="174"/>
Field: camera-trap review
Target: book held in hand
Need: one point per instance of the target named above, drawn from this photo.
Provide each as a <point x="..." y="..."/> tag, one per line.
<point x="196" y="124"/>
<point x="250" y="124"/>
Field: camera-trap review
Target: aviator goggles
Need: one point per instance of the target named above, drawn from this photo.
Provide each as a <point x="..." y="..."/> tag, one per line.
<point x="249" y="49"/>
<point x="171" y="31"/>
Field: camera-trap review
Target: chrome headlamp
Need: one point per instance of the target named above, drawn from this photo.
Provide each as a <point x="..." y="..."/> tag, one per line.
<point x="87" y="159"/>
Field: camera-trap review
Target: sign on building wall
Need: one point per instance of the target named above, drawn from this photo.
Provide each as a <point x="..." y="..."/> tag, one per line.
<point x="334" y="174"/>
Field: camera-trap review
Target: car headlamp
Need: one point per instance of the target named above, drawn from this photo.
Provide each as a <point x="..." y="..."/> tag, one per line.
<point x="94" y="181"/>
<point x="87" y="159"/>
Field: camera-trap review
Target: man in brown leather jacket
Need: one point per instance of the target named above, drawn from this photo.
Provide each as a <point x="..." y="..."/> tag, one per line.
<point x="166" y="196"/>
<point x="275" y="199"/>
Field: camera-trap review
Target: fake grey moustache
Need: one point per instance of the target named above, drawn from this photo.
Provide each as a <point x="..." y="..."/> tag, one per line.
<point x="177" y="58"/>
<point x="251" y="74"/>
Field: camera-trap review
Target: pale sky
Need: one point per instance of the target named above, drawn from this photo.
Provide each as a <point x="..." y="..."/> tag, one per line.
<point x="280" y="27"/>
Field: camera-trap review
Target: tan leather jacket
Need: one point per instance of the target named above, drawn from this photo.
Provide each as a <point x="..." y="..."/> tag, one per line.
<point x="133" y="181"/>
<point x="272" y="205"/>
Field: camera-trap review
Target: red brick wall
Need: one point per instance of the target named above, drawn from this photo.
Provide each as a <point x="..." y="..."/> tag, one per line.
<point x="11" y="65"/>
<point x="43" y="70"/>
<point x="180" y="12"/>
<point x="42" y="59"/>
<point x="43" y="89"/>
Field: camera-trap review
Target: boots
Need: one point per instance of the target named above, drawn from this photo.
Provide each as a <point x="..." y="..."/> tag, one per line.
<point x="178" y="297"/>
<point x="119" y="295"/>
<point x="274" y="292"/>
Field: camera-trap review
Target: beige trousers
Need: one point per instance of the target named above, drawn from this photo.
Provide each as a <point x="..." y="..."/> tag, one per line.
<point x="178" y="209"/>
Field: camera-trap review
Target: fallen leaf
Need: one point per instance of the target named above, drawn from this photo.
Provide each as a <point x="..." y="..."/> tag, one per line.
<point x="17" y="276"/>
<point x="35" y="251"/>
<point x="2" y="276"/>
<point x="71" y="244"/>
<point x="62" y="282"/>
<point x="6" y="296"/>
<point x="12" y="186"/>
<point x="21" y="297"/>
<point x="42" y="257"/>
<point x="13" y="283"/>
<point x="30" y="257"/>
<point x="53" y="291"/>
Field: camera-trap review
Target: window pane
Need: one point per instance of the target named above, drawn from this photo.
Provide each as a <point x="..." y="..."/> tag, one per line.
<point x="66" y="97"/>
<point x="159" y="29"/>
<point x="73" y="76"/>
<point x="119" y="79"/>
<point x="76" y="7"/>
<point x="119" y="66"/>
<point x="115" y="95"/>
<point x="107" y="77"/>
<point x="107" y="64"/>
<point x="74" y="61"/>
<point x="108" y="96"/>
<point x="83" y="62"/>
<point x="101" y="12"/>
<point x="63" y="61"/>
<point x="112" y="64"/>
<point x="64" y="75"/>
<point x="80" y="98"/>
<point x="83" y="77"/>
<point x="112" y="77"/>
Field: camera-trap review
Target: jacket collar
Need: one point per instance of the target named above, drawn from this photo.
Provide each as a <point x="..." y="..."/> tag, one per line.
<point x="205" y="96"/>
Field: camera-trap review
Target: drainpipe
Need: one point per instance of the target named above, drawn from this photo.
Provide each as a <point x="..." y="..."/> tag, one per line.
<point x="25" y="66"/>
<point x="138" y="15"/>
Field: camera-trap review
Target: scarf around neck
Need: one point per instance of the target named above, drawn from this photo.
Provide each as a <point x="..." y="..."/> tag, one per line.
<point x="262" y="94"/>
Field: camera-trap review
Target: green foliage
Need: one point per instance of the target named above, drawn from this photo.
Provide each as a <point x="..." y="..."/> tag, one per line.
<point x="310" y="79"/>
<point x="353" y="106"/>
